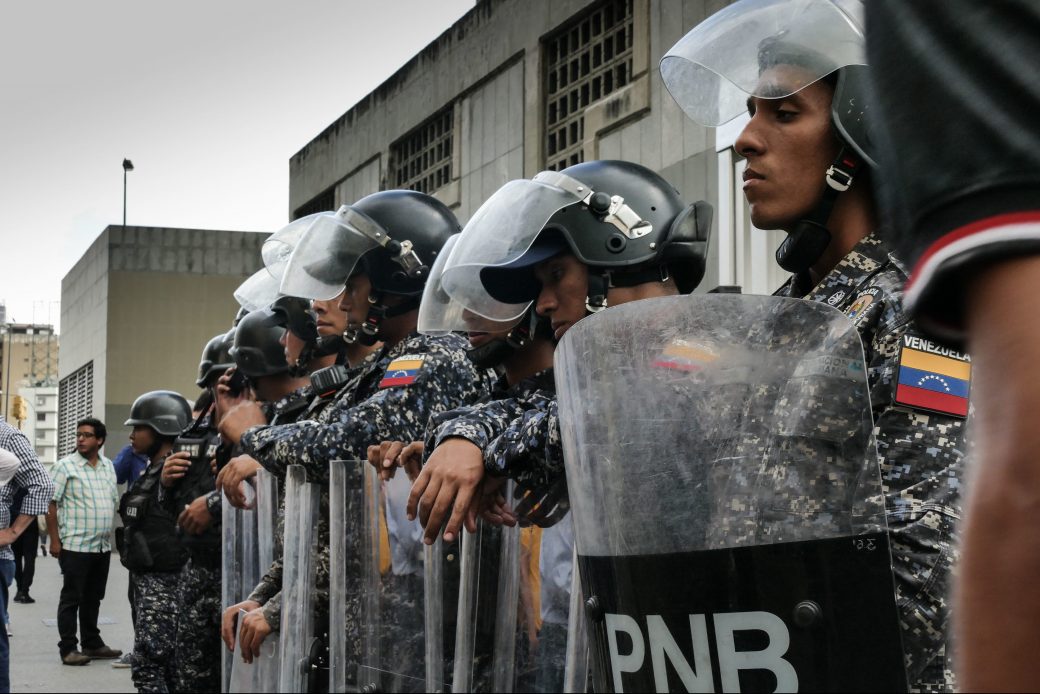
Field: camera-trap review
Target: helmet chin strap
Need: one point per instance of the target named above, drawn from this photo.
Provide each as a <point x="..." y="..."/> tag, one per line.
<point x="497" y="351"/>
<point x="601" y="281"/>
<point x="378" y="311"/>
<point x="806" y="243"/>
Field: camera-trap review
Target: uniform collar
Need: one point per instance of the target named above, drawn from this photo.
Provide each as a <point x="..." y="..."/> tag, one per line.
<point x="858" y="265"/>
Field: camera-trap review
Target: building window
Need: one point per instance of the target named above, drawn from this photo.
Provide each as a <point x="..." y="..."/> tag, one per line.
<point x="40" y="401"/>
<point x="421" y="160"/>
<point x="41" y="416"/>
<point x="322" y="202"/>
<point x="75" y="402"/>
<point x="585" y="61"/>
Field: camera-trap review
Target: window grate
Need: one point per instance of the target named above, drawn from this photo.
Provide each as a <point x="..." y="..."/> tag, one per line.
<point x="322" y="202"/>
<point x="585" y="61"/>
<point x="421" y="160"/>
<point x="75" y="402"/>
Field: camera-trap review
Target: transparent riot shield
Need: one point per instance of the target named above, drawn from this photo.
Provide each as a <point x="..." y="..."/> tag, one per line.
<point x="726" y="498"/>
<point x="514" y="606"/>
<point x="230" y="576"/>
<point x="268" y="506"/>
<point x="393" y="615"/>
<point x="576" y="670"/>
<point x="346" y="516"/>
<point x="298" y="579"/>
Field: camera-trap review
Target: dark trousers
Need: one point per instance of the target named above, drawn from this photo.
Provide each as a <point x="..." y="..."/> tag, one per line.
<point x="85" y="575"/>
<point x="6" y="572"/>
<point x="25" y="549"/>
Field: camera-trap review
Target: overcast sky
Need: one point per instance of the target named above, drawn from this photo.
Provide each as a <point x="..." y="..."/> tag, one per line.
<point x="208" y="98"/>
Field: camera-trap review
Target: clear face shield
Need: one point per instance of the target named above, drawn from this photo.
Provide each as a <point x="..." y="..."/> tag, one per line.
<point x="328" y="254"/>
<point x="262" y="288"/>
<point x="502" y="230"/>
<point x="722" y="61"/>
<point x="440" y="314"/>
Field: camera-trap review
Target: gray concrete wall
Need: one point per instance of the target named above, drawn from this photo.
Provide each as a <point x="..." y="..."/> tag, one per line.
<point x="84" y="317"/>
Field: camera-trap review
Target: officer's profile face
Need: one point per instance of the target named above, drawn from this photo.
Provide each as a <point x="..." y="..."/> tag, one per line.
<point x="565" y="286"/>
<point x="354" y="299"/>
<point x="141" y="439"/>
<point x="788" y="144"/>
<point x="482" y="331"/>
<point x="292" y="346"/>
<point x="331" y="319"/>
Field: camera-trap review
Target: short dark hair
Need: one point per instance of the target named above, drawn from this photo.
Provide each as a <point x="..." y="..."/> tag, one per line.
<point x="99" y="427"/>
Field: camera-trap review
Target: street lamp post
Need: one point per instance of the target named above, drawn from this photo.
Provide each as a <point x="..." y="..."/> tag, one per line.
<point x="127" y="166"/>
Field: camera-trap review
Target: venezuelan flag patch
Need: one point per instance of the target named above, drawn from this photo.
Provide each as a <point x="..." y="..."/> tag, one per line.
<point x="403" y="371"/>
<point x="932" y="377"/>
<point x="683" y="355"/>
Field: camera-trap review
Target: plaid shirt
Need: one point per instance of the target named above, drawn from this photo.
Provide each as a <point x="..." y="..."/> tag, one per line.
<point x="87" y="498"/>
<point x="31" y="477"/>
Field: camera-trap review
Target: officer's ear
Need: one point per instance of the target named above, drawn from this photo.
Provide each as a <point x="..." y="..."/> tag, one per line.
<point x="685" y="251"/>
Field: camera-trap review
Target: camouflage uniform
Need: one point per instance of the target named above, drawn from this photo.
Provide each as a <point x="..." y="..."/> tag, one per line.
<point x="485" y="421"/>
<point x="155" y="631"/>
<point x="370" y="409"/>
<point x="921" y="455"/>
<point x="197" y="660"/>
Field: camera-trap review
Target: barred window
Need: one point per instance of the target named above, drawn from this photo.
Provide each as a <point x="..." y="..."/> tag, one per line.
<point x="421" y="160"/>
<point x="584" y="62"/>
<point x="322" y="202"/>
<point x="75" y="402"/>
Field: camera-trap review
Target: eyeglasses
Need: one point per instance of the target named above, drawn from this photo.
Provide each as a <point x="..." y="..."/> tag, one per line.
<point x="84" y="435"/>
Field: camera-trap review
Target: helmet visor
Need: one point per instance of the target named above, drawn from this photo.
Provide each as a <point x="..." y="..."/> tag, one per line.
<point x="722" y="61"/>
<point x="440" y="314"/>
<point x="328" y="254"/>
<point x="280" y="245"/>
<point x="258" y="291"/>
<point x="502" y="230"/>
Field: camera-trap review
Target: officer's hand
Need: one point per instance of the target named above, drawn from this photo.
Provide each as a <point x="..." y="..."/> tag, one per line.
<point x="447" y="484"/>
<point x="230" y="618"/>
<point x="240" y="416"/>
<point x="229" y="480"/>
<point x="55" y="548"/>
<point x="224" y="399"/>
<point x="175" y="467"/>
<point x="492" y="506"/>
<point x="390" y="455"/>
<point x="254" y="630"/>
<point x="195" y="517"/>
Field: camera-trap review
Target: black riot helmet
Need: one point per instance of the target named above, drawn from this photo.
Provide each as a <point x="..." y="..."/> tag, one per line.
<point x="257" y="351"/>
<point x="731" y="55"/>
<point x="393" y="237"/>
<point x="216" y="359"/>
<point x="165" y="411"/>
<point x="622" y="220"/>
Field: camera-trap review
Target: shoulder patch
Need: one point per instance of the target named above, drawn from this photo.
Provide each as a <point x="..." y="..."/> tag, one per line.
<point x="932" y="377"/>
<point x="403" y="371"/>
<point x="863" y="300"/>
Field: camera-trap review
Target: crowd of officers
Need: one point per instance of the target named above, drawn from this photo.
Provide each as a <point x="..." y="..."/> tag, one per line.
<point x="399" y="341"/>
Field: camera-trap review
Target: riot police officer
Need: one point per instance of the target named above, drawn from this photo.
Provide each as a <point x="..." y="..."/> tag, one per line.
<point x="598" y="233"/>
<point x="380" y="249"/>
<point x="152" y="551"/>
<point x="799" y="70"/>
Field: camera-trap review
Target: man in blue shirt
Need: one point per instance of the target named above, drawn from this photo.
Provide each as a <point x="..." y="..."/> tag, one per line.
<point x="128" y="465"/>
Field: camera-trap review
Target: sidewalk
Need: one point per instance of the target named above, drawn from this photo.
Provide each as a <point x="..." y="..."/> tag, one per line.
<point x="35" y="666"/>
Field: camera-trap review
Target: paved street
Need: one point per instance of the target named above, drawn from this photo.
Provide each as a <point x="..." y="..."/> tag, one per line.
<point x="35" y="666"/>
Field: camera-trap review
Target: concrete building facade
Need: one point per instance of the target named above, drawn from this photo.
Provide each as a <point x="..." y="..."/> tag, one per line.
<point x="519" y="86"/>
<point x="41" y="427"/>
<point x="136" y="311"/>
<point x="28" y="357"/>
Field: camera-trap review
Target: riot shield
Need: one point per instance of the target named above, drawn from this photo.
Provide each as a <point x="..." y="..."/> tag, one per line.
<point x="576" y="669"/>
<point x="230" y="575"/>
<point x="514" y="602"/>
<point x="346" y="510"/>
<point x="393" y="614"/>
<point x="726" y="498"/>
<point x="298" y="578"/>
<point x="268" y="506"/>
